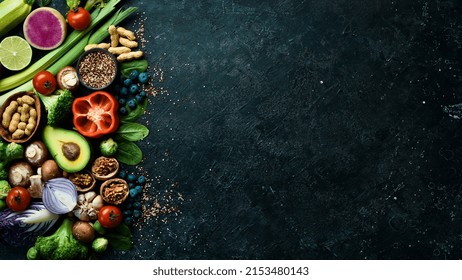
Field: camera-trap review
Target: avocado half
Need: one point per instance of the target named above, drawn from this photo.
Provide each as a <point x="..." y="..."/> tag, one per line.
<point x="69" y="149"/>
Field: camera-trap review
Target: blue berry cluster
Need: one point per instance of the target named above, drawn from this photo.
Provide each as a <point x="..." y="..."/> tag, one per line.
<point x="132" y="206"/>
<point x="128" y="91"/>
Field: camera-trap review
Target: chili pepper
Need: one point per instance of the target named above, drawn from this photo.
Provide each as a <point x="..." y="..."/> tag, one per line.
<point x="96" y="114"/>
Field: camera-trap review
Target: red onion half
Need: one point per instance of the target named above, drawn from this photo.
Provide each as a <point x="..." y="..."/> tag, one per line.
<point x="59" y="195"/>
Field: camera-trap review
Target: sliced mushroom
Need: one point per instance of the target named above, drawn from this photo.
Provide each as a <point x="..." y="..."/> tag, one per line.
<point x="67" y="78"/>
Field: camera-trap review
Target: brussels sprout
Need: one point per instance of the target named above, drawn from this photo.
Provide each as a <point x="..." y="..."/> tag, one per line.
<point x="99" y="244"/>
<point x="4" y="188"/>
<point x="108" y="147"/>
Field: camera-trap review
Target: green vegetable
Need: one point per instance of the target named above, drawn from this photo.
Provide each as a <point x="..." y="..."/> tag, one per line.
<point x="4" y="189"/>
<point x="99" y="245"/>
<point x="120" y="238"/>
<point x="141" y="65"/>
<point x="8" y="153"/>
<point x="61" y="245"/>
<point x="136" y="113"/>
<point x="98" y="227"/>
<point x="2" y="204"/>
<point x="72" y="4"/>
<point x="128" y="152"/>
<point x="12" y="13"/>
<point x="58" y="106"/>
<point x="43" y="3"/>
<point x="64" y="50"/>
<point x="133" y="131"/>
<point x="96" y="37"/>
<point x="108" y="147"/>
<point x="92" y="3"/>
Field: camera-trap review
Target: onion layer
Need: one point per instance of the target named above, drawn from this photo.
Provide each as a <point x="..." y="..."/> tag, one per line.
<point x="59" y="195"/>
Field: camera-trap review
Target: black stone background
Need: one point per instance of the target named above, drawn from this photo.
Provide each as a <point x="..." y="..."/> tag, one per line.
<point x="303" y="130"/>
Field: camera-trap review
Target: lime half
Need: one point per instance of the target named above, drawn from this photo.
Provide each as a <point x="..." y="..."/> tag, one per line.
<point x="15" y="53"/>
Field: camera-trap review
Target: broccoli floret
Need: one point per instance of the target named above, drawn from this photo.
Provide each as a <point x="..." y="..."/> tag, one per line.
<point x="4" y="188"/>
<point x="58" y="106"/>
<point x="99" y="245"/>
<point x="108" y="147"/>
<point x="61" y="245"/>
<point x="8" y="153"/>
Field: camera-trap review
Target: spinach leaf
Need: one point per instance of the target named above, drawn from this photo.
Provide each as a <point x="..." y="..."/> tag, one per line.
<point x="139" y="64"/>
<point x="135" y="113"/>
<point x="43" y="3"/>
<point x="120" y="238"/>
<point x="128" y="152"/>
<point x="133" y="131"/>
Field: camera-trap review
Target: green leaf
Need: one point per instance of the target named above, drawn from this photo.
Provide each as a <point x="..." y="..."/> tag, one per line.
<point x="43" y="3"/>
<point x="135" y="113"/>
<point x="120" y="238"/>
<point x="71" y="4"/>
<point x="140" y="64"/>
<point x="128" y="152"/>
<point x="133" y="131"/>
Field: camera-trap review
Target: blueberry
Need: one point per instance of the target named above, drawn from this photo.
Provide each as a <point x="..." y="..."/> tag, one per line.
<point x="131" y="178"/>
<point x="133" y="74"/>
<point x="122" y="111"/>
<point x="139" y="98"/>
<point x="131" y="185"/>
<point x="128" y="82"/>
<point x="122" y="101"/>
<point x="133" y="193"/>
<point x="137" y="205"/>
<point x="131" y="103"/>
<point x="128" y="220"/>
<point x="139" y="188"/>
<point x="136" y="213"/>
<point x="127" y="212"/>
<point x="143" y="77"/>
<point x="134" y="89"/>
<point x="128" y="205"/>
<point x="141" y="179"/>
<point x="143" y="93"/>
<point x="122" y="174"/>
<point x="123" y="91"/>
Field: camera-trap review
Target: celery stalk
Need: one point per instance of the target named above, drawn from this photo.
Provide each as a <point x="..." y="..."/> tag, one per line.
<point x="71" y="57"/>
<point x="96" y="17"/>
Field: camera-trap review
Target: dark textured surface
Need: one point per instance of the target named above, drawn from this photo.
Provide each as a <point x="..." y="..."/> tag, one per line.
<point x="304" y="130"/>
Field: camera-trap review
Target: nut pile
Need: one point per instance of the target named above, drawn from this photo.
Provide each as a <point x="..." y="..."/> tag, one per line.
<point x="20" y="117"/>
<point x="122" y="43"/>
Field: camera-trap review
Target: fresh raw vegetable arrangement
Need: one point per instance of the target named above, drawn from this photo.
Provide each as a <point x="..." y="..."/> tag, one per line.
<point x="69" y="130"/>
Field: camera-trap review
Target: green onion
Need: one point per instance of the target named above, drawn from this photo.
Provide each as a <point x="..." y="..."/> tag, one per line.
<point x="68" y="59"/>
<point x="96" y="17"/>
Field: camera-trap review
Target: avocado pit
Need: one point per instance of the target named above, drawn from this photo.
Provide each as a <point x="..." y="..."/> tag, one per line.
<point x="71" y="151"/>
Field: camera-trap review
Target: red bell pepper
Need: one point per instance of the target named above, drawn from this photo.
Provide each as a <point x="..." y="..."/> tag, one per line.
<point x="96" y="114"/>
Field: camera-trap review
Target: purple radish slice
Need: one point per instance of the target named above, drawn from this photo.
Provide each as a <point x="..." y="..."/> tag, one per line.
<point x="45" y="28"/>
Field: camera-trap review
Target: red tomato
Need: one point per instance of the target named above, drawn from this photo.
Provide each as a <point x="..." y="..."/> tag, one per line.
<point x="110" y="216"/>
<point x="79" y="18"/>
<point x="96" y="114"/>
<point x="44" y="82"/>
<point x="18" y="199"/>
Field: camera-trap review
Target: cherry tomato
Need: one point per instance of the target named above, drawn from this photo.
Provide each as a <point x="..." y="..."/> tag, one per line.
<point x="79" y="18"/>
<point x="96" y="114"/>
<point x="18" y="199"/>
<point x="44" y="82"/>
<point x="110" y="216"/>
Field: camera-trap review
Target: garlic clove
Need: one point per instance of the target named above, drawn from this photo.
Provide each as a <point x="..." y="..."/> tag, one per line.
<point x="89" y="196"/>
<point x="97" y="202"/>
